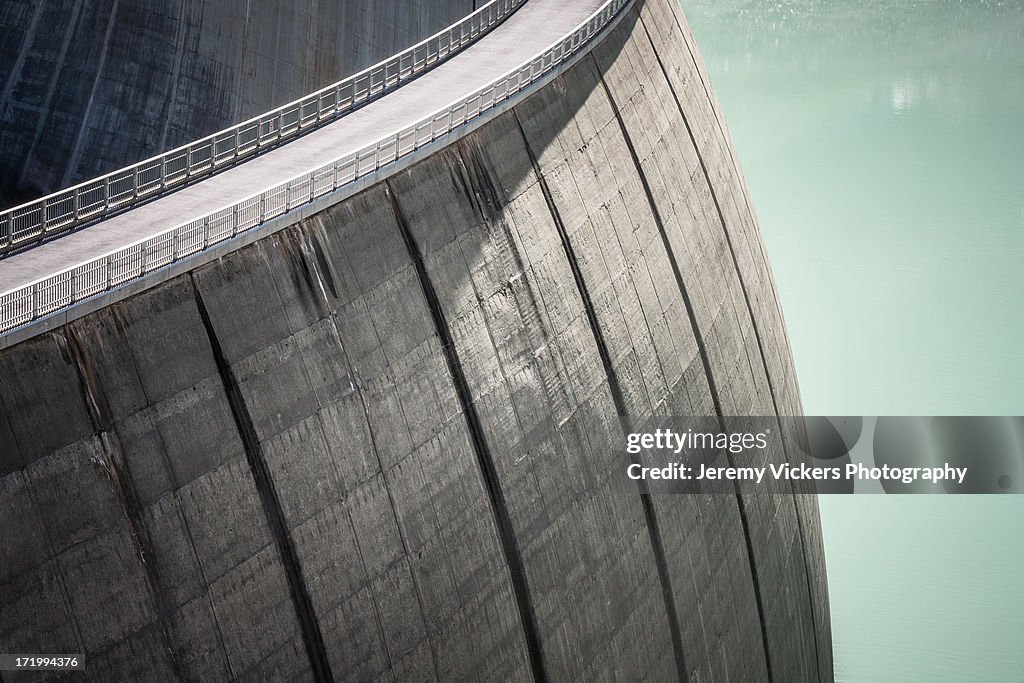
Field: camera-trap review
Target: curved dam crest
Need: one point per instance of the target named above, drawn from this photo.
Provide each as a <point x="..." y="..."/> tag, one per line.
<point x="378" y="444"/>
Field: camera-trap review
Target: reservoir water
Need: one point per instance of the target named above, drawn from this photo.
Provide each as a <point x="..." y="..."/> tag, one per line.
<point x="883" y="143"/>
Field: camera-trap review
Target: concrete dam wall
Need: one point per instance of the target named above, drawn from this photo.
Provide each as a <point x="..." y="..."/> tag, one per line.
<point x="88" y="86"/>
<point x="379" y="444"/>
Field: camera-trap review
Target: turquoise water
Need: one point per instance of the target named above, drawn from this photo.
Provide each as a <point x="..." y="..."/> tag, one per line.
<point x="883" y="143"/>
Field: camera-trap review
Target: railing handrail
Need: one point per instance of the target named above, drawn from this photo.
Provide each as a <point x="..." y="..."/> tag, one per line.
<point x="25" y="303"/>
<point x="65" y="204"/>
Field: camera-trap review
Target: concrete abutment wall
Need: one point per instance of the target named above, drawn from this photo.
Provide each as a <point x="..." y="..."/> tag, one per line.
<point x="378" y="445"/>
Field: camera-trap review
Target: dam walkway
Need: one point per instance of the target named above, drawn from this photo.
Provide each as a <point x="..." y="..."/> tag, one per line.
<point x="54" y="275"/>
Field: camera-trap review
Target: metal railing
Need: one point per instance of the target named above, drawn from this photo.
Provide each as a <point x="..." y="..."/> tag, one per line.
<point x="60" y="290"/>
<point x="67" y="209"/>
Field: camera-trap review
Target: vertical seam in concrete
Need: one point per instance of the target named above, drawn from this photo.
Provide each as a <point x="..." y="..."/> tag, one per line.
<point x="179" y="54"/>
<point x="528" y="270"/>
<point x="76" y="152"/>
<point x="119" y="325"/>
<point x="19" y="61"/>
<point x="753" y="322"/>
<point x="718" y="209"/>
<point x="315" y="263"/>
<point x="287" y="246"/>
<point x="401" y="536"/>
<point x="124" y="488"/>
<point x="701" y="346"/>
<point x="711" y="103"/>
<point x="650" y="516"/>
<point x="506" y="533"/>
<point x="241" y="61"/>
<point x="732" y="153"/>
<point x="475" y="177"/>
<point x="45" y="110"/>
<point x="368" y="585"/>
<point x="621" y="309"/>
<point x="272" y="508"/>
<point x="508" y="226"/>
<point x="374" y="602"/>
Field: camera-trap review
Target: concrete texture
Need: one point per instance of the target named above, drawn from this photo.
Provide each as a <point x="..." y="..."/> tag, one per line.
<point x="378" y="445"/>
<point x="88" y="86"/>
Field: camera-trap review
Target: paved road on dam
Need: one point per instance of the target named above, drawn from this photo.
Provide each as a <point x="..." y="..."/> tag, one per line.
<point x="527" y="32"/>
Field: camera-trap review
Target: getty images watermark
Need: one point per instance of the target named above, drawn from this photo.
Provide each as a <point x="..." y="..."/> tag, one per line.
<point x="826" y="455"/>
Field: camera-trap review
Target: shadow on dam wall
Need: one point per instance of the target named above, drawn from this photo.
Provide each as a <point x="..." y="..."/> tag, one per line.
<point x="90" y="86"/>
<point x="378" y="445"/>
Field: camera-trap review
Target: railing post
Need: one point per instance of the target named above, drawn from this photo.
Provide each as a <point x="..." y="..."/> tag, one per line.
<point x="109" y="268"/>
